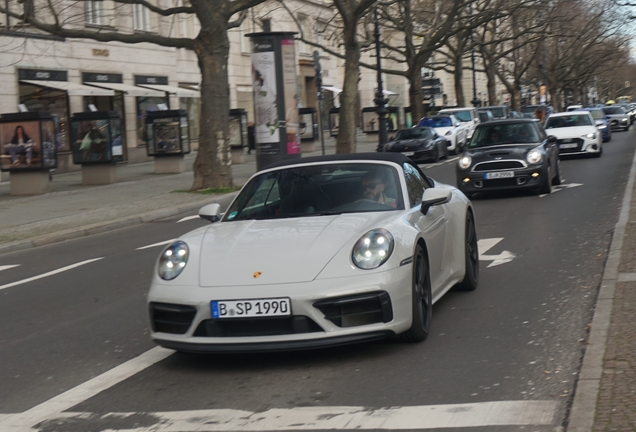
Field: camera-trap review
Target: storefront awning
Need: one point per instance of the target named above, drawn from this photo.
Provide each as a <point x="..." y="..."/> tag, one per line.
<point x="129" y="89"/>
<point x="72" y="89"/>
<point x="177" y="91"/>
<point x="332" y="89"/>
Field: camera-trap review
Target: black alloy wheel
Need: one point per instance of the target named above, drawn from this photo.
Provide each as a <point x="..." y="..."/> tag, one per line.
<point x="471" y="277"/>
<point x="422" y="299"/>
<point x="436" y="156"/>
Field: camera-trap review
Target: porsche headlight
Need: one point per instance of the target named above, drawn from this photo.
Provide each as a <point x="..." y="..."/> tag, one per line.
<point x="534" y="156"/>
<point x="372" y="249"/>
<point x="590" y="136"/>
<point x="173" y="260"/>
<point x="465" y="162"/>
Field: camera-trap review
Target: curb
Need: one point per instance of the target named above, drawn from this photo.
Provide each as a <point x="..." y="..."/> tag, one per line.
<point x="583" y="410"/>
<point x="102" y="227"/>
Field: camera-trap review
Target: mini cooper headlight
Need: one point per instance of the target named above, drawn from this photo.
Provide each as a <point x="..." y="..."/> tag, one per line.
<point x="464" y="162"/>
<point x="173" y="260"/>
<point x="534" y="156"/>
<point x="590" y="136"/>
<point x="372" y="249"/>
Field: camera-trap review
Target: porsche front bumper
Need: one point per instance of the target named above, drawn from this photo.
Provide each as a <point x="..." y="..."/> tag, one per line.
<point x="181" y="317"/>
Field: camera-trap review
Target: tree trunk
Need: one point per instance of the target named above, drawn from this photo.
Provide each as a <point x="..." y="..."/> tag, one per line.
<point x="491" y="85"/>
<point x="515" y="96"/>
<point x="349" y="96"/>
<point x="414" y="76"/>
<point x="458" y="78"/>
<point x="213" y="164"/>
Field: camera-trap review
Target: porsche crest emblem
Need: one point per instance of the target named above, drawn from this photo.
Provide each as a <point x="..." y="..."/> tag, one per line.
<point x="257" y="275"/>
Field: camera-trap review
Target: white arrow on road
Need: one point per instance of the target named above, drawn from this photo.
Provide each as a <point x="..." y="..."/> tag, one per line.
<point x="487" y="244"/>
<point x="7" y="267"/>
<point x="561" y="187"/>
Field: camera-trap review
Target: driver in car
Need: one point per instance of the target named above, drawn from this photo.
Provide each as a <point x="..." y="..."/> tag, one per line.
<point x="373" y="186"/>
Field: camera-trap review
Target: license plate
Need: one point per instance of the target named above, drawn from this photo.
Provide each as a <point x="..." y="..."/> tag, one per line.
<point x="251" y="308"/>
<point x="499" y="174"/>
<point x="564" y="146"/>
<point x="408" y="153"/>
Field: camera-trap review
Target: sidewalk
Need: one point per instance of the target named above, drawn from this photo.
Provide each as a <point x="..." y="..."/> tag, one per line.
<point x="605" y="396"/>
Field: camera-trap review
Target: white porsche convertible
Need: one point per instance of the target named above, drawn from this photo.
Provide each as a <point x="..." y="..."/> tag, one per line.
<point x="316" y="252"/>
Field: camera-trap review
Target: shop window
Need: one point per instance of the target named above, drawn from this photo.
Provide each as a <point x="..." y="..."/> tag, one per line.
<point x="192" y="106"/>
<point x="37" y="98"/>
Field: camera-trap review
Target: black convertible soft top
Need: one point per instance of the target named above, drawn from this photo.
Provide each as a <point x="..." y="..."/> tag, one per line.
<point x="389" y="157"/>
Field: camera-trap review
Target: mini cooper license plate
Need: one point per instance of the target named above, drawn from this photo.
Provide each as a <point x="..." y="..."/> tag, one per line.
<point x="564" y="146"/>
<point x="499" y="174"/>
<point x="251" y="308"/>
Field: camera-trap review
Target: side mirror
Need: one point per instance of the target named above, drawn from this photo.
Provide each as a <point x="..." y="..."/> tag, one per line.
<point x="433" y="197"/>
<point x="211" y="212"/>
<point x="552" y="139"/>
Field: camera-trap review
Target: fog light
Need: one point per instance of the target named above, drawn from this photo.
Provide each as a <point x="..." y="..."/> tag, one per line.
<point x="536" y="174"/>
<point x="466" y="180"/>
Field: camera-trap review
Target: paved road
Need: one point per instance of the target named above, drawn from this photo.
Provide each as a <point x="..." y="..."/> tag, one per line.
<point x="508" y="351"/>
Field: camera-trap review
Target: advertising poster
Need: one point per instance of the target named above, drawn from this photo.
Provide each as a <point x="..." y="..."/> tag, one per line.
<point x="166" y="134"/>
<point x="266" y="126"/>
<point x="291" y="96"/>
<point x="91" y="141"/>
<point x="27" y="145"/>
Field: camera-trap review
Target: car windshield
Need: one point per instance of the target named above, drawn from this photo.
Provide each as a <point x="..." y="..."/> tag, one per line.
<point x="510" y="133"/>
<point x="436" y="122"/>
<point x="463" y="116"/>
<point x="498" y="112"/>
<point x="568" y="121"/>
<point x="413" y="133"/>
<point x="613" y="110"/>
<point x="317" y="190"/>
<point x="597" y="114"/>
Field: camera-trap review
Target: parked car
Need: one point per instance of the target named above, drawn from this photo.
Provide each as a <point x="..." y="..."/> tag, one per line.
<point x="576" y="133"/>
<point x="631" y="113"/>
<point x="421" y="144"/>
<point x="498" y="112"/>
<point x="316" y="252"/>
<point x="509" y="154"/>
<point x="466" y="115"/>
<point x="618" y="118"/>
<point x="485" y="115"/>
<point x="450" y="128"/>
<point x="602" y="123"/>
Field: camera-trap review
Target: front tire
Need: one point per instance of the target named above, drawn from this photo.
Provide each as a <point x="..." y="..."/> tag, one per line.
<point x="422" y="299"/>
<point x="546" y="187"/>
<point x="471" y="252"/>
<point x="557" y="178"/>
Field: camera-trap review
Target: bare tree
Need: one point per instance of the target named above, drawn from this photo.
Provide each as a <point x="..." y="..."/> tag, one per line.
<point x="212" y="167"/>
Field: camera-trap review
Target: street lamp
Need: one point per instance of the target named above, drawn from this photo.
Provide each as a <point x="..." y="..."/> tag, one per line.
<point x="380" y="101"/>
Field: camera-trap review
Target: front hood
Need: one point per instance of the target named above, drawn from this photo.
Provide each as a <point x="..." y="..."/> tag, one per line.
<point x="287" y="250"/>
<point x="571" y="132"/>
<point x="506" y="151"/>
<point x="408" y="144"/>
<point x="442" y="130"/>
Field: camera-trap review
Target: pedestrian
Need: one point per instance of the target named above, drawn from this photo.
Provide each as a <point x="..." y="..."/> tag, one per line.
<point x="539" y="114"/>
<point x="251" y="138"/>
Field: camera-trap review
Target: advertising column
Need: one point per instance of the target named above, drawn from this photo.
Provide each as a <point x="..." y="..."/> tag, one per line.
<point x="275" y="97"/>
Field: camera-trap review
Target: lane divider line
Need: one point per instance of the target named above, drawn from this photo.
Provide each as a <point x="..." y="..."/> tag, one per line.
<point x="47" y="274"/>
<point x="156" y="244"/>
<point x="7" y="267"/>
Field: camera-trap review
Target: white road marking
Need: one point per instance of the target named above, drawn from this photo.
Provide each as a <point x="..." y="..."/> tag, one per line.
<point x="487" y="244"/>
<point x="54" y="407"/>
<point x="483" y="414"/>
<point x="187" y="218"/>
<point x="51" y="273"/>
<point x="7" y="267"/>
<point x="561" y="187"/>
<point x="156" y="244"/>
